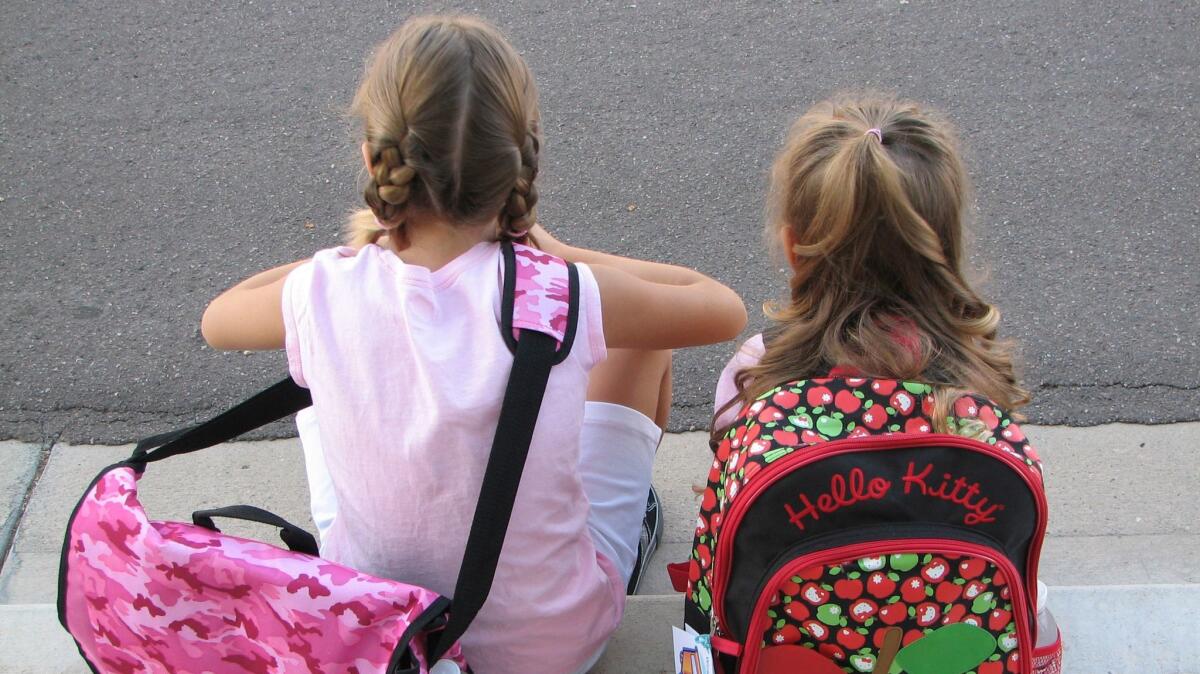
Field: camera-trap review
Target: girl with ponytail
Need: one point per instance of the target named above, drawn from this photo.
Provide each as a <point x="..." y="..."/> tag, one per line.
<point x="396" y="335"/>
<point x="867" y="202"/>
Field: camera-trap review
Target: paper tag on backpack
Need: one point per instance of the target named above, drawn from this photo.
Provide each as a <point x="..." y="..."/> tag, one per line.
<point x="691" y="652"/>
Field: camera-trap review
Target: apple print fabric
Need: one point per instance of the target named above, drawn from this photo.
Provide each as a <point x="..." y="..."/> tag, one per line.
<point x="799" y="416"/>
<point x="845" y="610"/>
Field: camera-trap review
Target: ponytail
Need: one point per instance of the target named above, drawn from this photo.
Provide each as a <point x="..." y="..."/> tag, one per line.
<point x="868" y="197"/>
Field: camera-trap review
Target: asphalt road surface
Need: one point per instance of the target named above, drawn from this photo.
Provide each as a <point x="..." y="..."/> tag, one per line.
<point x="153" y="153"/>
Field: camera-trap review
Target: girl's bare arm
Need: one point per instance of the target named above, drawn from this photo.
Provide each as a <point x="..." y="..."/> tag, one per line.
<point x="650" y="305"/>
<point x="250" y="314"/>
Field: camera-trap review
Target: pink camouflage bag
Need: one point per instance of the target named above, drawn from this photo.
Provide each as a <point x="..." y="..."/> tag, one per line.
<point x="144" y="595"/>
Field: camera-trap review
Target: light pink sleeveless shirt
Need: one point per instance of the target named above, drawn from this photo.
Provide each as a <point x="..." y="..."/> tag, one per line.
<point x="407" y="369"/>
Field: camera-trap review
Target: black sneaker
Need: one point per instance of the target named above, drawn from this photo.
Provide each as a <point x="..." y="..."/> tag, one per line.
<point x="652" y="526"/>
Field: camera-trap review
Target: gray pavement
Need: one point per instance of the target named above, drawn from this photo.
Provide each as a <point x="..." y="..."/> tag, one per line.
<point x="152" y="154"/>
<point x="1120" y="539"/>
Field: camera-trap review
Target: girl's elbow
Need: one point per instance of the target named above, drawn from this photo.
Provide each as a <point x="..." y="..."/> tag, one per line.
<point x="735" y="315"/>
<point x="210" y="328"/>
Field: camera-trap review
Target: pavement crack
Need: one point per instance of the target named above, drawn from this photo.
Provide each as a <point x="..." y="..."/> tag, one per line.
<point x="1121" y="385"/>
<point x="19" y="514"/>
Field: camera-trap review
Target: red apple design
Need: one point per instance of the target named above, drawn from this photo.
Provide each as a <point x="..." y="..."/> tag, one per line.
<point x="736" y="461"/>
<point x="927" y="406"/>
<point x="855" y="381"/>
<point x="785" y="438"/>
<point x="1013" y="662"/>
<point x="999" y="579"/>
<point x="1006" y="448"/>
<point x="902" y="402"/>
<point x="850" y="639"/>
<point x="913" y="590"/>
<point x="770" y="414"/>
<point x="758" y="447"/>
<point x="814" y="594"/>
<point x="848" y="588"/>
<point x="797" y="610"/>
<point x="911" y="636"/>
<point x="709" y="500"/>
<point x="998" y="619"/>
<point x="948" y="592"/>
<point x="732" y="487"/>
<point x="973" y="621"/>
<point x="810" y="438"/>
<point x="880" y="586"/>
<point x="988" y="416"/>
<point x="788" y="634"/>
<point x="832" y="651"/>
<point x="917" y="425"/>
<point x="966" y="408"/>
<point x="894" y="614"/>
<point x="955" y="614"/>
<point x="704" y="555"/>
<point x="863" y="609"/>
<point x="790" y="588"/>
<point x="701" y="524"/>
<point x="874" y="418"/>
<point x="974" y="589"/>
<point x="928" y="613"/>
<point x="693" y="571"/>
<point x="1013" y="433"/>
<point x="819" y="396"/>
<point x="817" y="630"/>
<point x="935" y="570"/>
<point x="971" y="568"/>
<point x="884" y="386"/>
<point x="859" y="432"/>
<point x="990" y="668"/>
<point x="786" y="399"/>
<point x="751" y="470"/>
<point x="723" y="450"/>
<point x="847" y="402"/>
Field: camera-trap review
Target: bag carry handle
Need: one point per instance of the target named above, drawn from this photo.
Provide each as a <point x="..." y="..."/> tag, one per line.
<point x="297" y="539"/>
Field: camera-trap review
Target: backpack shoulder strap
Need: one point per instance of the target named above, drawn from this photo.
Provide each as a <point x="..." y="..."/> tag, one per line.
<point x="540" y="293"/>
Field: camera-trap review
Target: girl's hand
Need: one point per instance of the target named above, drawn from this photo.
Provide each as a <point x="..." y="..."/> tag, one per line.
<point x="543" y="241"/>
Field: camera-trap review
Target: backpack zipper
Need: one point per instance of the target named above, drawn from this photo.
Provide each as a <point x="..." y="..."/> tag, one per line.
<point x="776" y="470"/>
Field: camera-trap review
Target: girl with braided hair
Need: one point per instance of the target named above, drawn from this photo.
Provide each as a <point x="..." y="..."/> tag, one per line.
<point x="396" y="336"/>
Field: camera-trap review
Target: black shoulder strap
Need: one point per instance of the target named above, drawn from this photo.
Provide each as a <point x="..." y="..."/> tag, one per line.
<point x="518" y="416"/>
<point x="270" y="404"/>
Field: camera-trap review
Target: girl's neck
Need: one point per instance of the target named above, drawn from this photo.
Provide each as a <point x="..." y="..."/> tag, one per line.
<point x="432" y="243"/>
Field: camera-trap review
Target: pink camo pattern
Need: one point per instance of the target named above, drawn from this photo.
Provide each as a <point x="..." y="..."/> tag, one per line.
<point x="542" y="294"/>
<point x="148" y="596"/>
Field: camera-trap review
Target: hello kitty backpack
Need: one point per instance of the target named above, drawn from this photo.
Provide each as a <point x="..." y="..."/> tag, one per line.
<point x="839" y="534"/>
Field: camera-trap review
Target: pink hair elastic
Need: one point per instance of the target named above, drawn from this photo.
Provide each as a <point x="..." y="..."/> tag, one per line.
<point x="875" y="132"/>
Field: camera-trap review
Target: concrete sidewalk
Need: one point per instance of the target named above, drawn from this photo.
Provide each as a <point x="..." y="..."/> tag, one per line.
<point x="1120" y="555"/>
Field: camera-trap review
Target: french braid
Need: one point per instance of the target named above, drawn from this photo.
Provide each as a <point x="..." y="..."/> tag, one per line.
<point x="519" y="214"/>
<point x="451" y="119"/>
